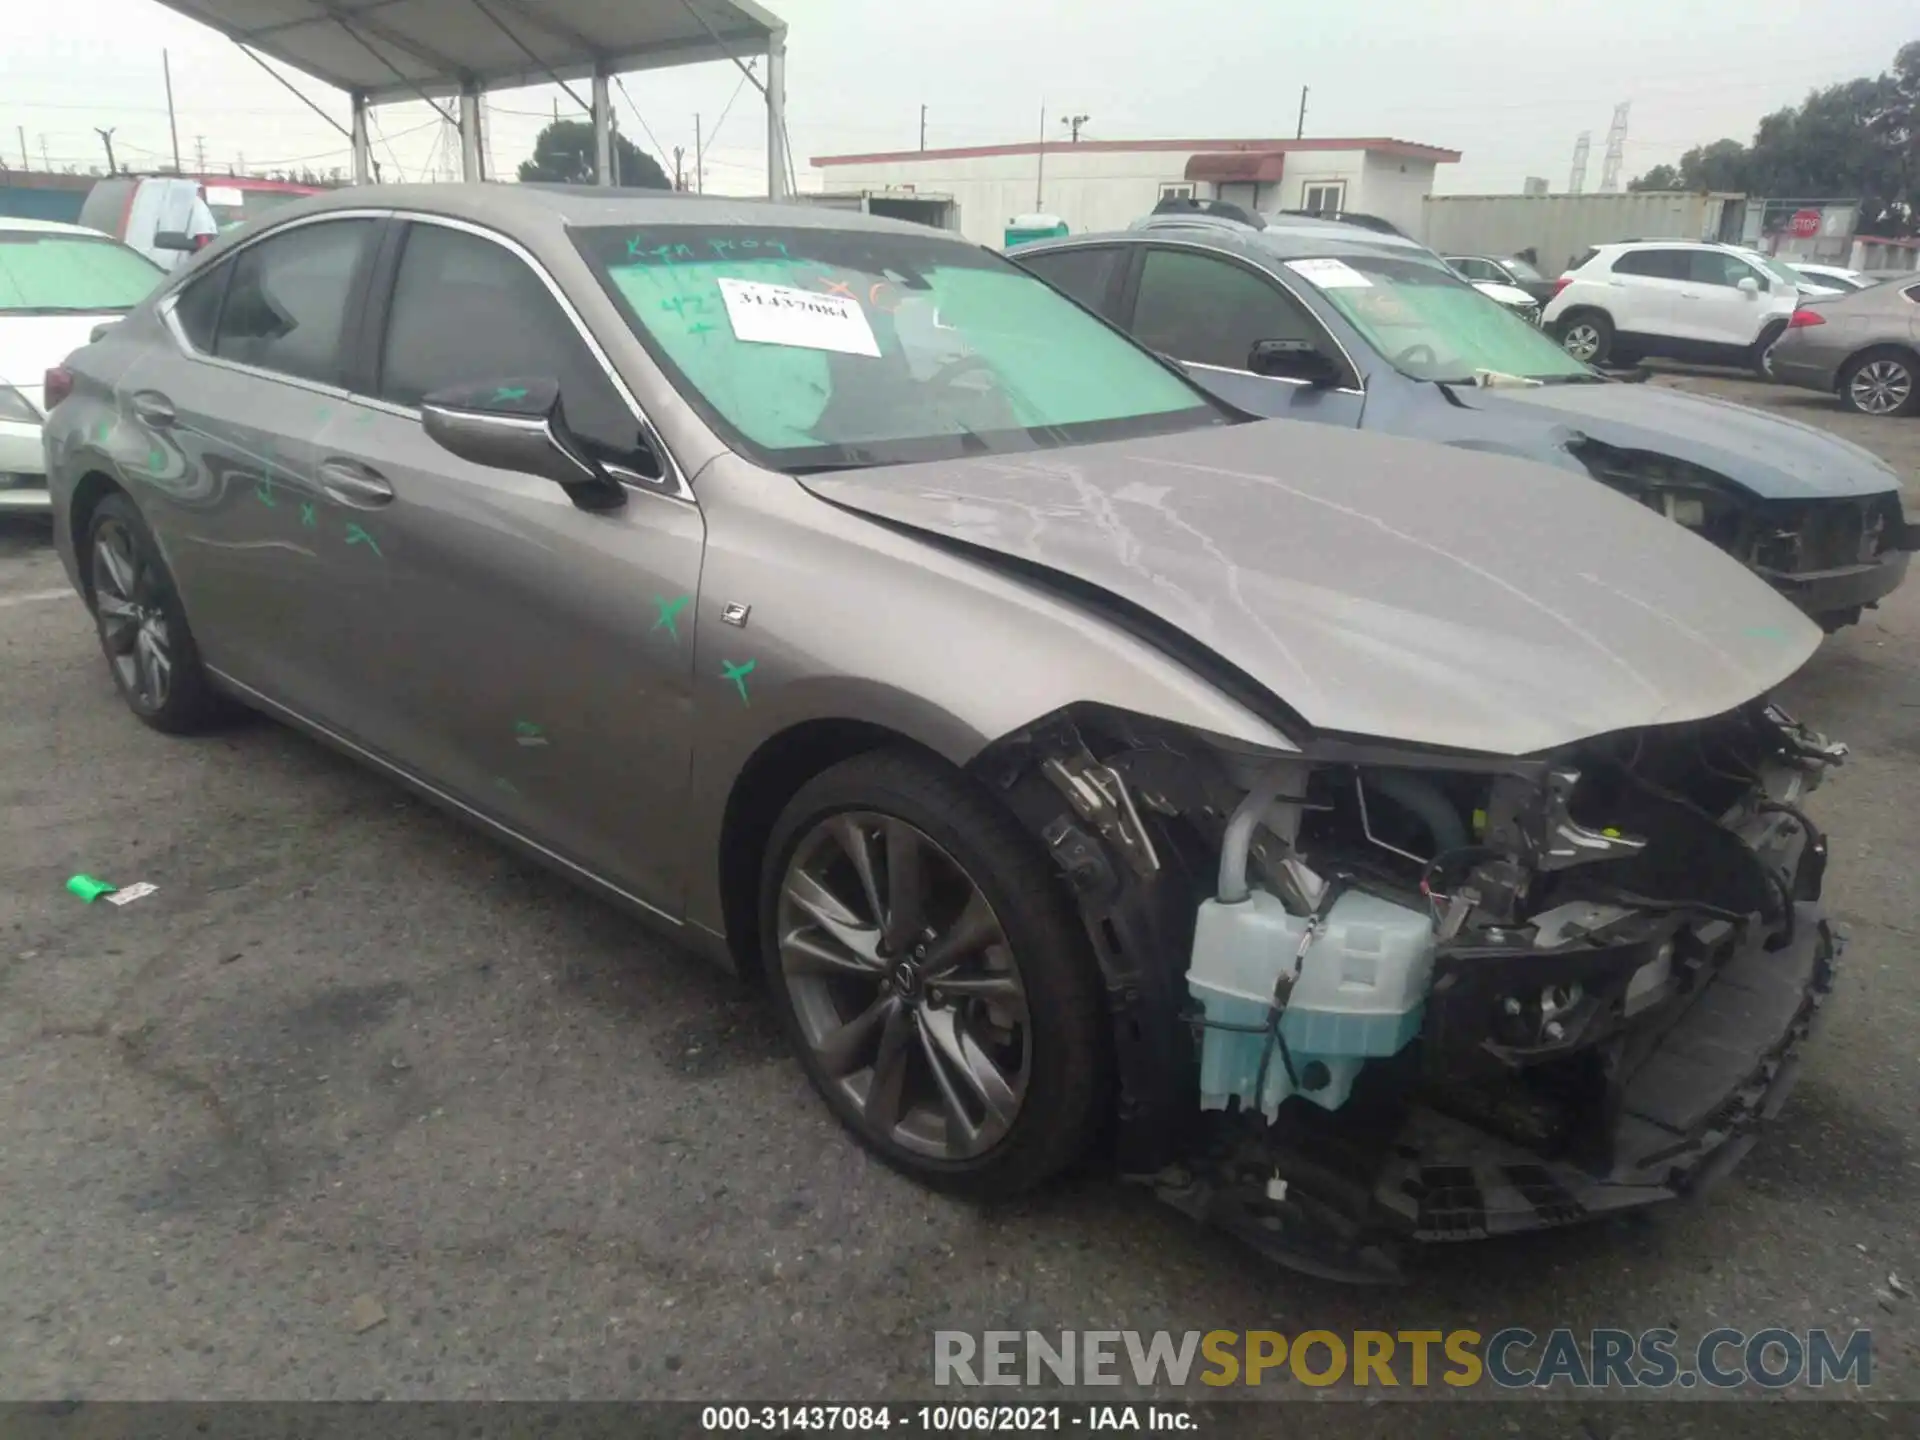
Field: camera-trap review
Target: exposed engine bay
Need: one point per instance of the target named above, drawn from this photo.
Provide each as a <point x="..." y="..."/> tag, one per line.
<point x="1365" y="997"/>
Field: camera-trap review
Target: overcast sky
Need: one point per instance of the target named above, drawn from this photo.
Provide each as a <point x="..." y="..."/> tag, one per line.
<point x="1509" y="83"/>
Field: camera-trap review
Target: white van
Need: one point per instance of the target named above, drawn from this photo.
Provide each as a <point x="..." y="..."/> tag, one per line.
<point x="166" y="218"/>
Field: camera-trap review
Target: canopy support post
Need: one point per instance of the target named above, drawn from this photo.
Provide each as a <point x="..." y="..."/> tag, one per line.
<point x="777" y="115"/>
<point x="472" y="157"/>
<point x="602" y="128"/>
<point x="362" y="146"/>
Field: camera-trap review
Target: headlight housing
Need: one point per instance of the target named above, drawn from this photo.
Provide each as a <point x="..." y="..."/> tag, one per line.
<point x="1687" y="494"/>
<point x="16" y="409"/>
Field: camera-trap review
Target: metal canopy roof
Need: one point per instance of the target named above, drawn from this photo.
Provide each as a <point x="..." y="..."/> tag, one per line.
<point x="398" y="49"/>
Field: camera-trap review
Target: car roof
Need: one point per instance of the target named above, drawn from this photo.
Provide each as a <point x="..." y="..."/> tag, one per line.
<point x="539" y="206"/>
<point x="1326" y="238"/>
<point x="52" y="227"/>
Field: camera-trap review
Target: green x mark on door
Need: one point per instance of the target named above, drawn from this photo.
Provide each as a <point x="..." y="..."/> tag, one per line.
<point x="738" y="675"/>
<point x="669" y="613"/>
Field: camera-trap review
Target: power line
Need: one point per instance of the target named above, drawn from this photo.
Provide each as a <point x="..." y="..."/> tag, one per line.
<point x="659" y="149"/>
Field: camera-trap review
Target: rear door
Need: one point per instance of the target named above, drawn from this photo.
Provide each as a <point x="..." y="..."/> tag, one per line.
<point x="532" y="659"/>
<point x="1208" y="310"/>
<point x="216" y="432"/>
<point x="1647" y="292"/>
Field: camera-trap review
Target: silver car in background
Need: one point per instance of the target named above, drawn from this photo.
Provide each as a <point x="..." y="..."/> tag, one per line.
<point x="1071" y="755"/>
<point x="1863" y="347"/>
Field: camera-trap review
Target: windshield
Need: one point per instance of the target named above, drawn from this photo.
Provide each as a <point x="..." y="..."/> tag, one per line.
<point x="47" y="272"/>
<point x="1429" y="325"/>
<point x="817" y="349"/>
<point x="1520" y="269"/>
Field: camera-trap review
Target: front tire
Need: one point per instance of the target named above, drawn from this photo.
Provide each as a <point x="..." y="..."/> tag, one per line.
<point x="143" y="630"/>
<point x="938" y="988"/>
<point x="1587" y="336"/>
<point x="1881" y="382"/>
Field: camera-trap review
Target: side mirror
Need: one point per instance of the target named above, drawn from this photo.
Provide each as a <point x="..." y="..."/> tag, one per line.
<point x="173" y="240"/>
<point x="519" y="424"/>
<point x="1747" y="285"/>
<point x="1294" y="360"/>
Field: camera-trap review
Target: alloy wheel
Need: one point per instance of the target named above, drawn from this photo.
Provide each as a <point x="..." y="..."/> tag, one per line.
<point x="1582" y="341"/>
<point x="132" y="620"/>
<point x="905" y="987"/>
<point x="1881" y="387"/>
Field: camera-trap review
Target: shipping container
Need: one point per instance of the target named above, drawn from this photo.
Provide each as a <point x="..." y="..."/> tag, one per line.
<point x="1560" y="228"/>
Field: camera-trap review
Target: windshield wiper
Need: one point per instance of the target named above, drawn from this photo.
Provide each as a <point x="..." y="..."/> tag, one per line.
<point x="67" y="310"/>
<point x="1572" y="380"/>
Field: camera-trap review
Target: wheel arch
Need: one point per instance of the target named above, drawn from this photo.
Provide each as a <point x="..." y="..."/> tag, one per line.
<point x="88" y="492"/>
<point x="772" y="775"/>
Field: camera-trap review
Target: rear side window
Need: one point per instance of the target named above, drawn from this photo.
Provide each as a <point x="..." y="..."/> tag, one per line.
<point x="466" y="311"/>
<point x="1654" y="264"/>
<point x="197" y="310"/>
<point x="1085" y="275"/>
<point x="1211" y="311"/>
<point x="290" y="297"/>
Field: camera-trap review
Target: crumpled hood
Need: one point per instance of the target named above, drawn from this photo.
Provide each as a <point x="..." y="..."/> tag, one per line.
<point x="1768" y="455"/>
<point x="1379" y="586"/>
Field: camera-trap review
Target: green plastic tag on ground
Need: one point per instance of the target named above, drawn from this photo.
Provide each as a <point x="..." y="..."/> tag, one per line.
<point x="88" y="888"/>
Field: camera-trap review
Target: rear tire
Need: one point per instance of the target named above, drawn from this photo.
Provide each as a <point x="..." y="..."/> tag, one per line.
<point x="143" y="631"/>
<point x="938" y="987"/>
<point x="1881" y="382"/>
<point x="1587" y="335"/>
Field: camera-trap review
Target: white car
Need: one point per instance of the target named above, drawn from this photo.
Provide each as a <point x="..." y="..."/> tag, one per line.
<point x="1678" y="299"/>
<point x="1822" y="279"/>
<point x="58" y="284"/>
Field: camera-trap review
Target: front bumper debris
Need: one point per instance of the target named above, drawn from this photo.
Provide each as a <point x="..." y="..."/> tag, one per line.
<point x="1691" y="1106"/>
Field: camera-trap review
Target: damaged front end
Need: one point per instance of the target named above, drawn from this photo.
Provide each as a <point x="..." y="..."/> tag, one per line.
<point x="1364" y="998"/>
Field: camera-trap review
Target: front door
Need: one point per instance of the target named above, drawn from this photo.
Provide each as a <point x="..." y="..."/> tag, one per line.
<point x="1209" y="310"/>
<point x="1724" y="314"/>
<point x="532" y="659"/>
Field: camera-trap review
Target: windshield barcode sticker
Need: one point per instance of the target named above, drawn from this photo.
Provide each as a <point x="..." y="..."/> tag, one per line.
<point x="1329" y="274"/>
<point x="806" y="319"/>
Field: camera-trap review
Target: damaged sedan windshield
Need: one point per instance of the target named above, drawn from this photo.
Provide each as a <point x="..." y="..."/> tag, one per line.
<point x="815" y="349"/>
<point x="1431" y="326"/>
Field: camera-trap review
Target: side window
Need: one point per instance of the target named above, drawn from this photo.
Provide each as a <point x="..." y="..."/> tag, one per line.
<point x="198" y="308"/>
<point x="289" y="299"/>
<point x="1713" y="267"/>
<point x="1209" y="310"/>
<point x="1326" y="199"/>
<point x="1654" y="264"/>
<point x="1085" y="275"/>
<point x="466" y="311"/>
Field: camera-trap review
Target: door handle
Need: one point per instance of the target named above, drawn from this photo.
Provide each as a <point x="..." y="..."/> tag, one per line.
<point x="351" y="483"/>
<point x="152" y="408"/>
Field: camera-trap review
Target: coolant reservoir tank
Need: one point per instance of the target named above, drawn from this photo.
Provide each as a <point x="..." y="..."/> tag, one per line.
<point x="1360" y="993"/>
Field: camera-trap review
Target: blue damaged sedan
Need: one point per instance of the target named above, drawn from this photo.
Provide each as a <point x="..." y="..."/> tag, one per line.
<point x="1332" y="323"/>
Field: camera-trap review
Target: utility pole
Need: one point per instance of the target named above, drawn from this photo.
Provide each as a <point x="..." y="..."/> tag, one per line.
<point x="1040" y="159"/>
<point x="699" y="150"/>
<point x="679" y="182"/>
<point x="166" y="69"/>
<point x="106" y="138"/>
<point x="1300" y="130"/>
<point x="1073" y="123"/>
<point x="200" y="154"/>
<point x="25" y="163"/>
<point x="923" y="127"/>
<point x="45" y="159"/>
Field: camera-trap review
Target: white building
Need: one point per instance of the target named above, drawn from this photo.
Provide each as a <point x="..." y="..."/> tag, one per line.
<point x="1108" y="184"/>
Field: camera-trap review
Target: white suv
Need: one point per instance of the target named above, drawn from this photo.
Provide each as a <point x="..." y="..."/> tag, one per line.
<point x="1679" y="299"/>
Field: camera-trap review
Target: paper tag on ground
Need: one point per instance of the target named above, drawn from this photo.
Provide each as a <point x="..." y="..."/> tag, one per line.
<point x="131" y="893"/>
<point x="1329" y="274"/>
<point x="806" y="319"/>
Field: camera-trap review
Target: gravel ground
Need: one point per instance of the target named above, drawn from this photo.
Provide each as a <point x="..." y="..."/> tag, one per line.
<point x="359" y="1105"/>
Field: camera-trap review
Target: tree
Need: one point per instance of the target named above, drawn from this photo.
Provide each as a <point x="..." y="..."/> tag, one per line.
<point x="563" y="155"/>
<point x="1860" y="139"/>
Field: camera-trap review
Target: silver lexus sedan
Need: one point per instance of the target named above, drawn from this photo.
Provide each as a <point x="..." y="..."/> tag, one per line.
<point x="1358" y="841"/>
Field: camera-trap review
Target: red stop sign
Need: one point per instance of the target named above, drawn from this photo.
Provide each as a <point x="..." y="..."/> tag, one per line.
<point x="1805" y="224"/>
